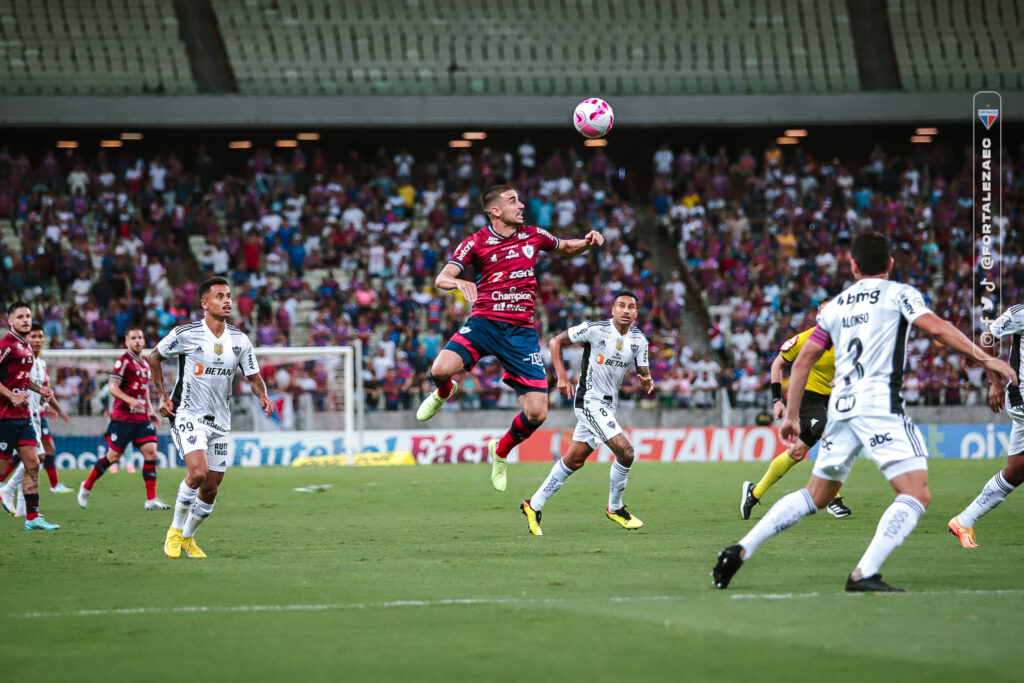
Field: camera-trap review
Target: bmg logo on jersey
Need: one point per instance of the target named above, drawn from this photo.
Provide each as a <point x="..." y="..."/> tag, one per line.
<point x="879" y="439"/>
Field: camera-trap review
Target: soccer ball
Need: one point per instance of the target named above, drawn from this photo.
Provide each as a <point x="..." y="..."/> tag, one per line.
<point x="593" y="118"/>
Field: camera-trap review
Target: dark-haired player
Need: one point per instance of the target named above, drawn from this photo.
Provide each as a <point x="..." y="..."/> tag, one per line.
<point x="132" y="420"/>
<point x="504" y="254"/>
<point x="208" y="351"/>
<point x="610" y="348"/>
<point x="868" y="325"/>
<point x="17" y="435"/>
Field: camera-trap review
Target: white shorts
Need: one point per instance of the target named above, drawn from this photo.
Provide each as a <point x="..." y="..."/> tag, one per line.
<point x="37" y="425"/>
<point x="892" y="442"/>
<point x="1016" y="445"/>
<point x="596" y="424"/>
<point x="191" y="433"/>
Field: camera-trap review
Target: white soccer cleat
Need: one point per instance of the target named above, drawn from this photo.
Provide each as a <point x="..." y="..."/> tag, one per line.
<point x="19" y="510"/>
<point x="83" y="496"/>
<point x="61" y="488"/>
<point x="157" y="504"/>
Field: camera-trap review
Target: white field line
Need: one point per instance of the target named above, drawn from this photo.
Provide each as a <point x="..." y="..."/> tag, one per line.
<point x="201" y="609"/>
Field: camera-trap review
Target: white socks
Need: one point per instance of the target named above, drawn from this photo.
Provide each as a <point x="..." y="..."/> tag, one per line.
<point x="616" y="485"/>
<point x="182" y="504"/>
<point x="896" y="523"/>
<point x="199" y="512"/>
<point x="994" y="493"/>
<point x="559" y="473"/>
<point x="789" y="510"/>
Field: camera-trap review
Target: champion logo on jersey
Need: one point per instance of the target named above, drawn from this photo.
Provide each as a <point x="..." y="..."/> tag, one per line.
<point x="988" y="117"/>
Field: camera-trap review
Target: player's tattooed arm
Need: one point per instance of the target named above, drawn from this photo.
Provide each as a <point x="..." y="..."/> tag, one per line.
<point x="572" y="247"/>
<point x="259" y="388"/>
<point x="646" y="381"/>
<point x="555" y="344"/>
<point x="45" y="392"/>
<point x="156" y="373"/>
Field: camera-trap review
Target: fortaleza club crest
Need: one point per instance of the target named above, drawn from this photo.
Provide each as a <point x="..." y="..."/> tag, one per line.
<point x="988" y="117"/>
<point x="218" y="348"/>
<point x="528" y="250"/>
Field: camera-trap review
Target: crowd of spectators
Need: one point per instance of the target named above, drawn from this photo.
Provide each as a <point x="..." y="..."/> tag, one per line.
<point x="765" y="239"/>
<point x="325" y="251"/>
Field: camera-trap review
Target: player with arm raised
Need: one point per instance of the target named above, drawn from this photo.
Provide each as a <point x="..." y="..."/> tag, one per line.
<point x="610" y="348"/>
<point x="813" y="416"/>
<point x="504" y="254"/>
<point x="1009" y="324"/>
<point x="132" y="420"/>
<point x="868" y="324"/>
<point x="208" y="352"/>
<point x="17" y="435"/>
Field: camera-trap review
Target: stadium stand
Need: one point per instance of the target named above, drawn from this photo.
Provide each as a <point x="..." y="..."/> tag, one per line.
<point x="91" y="48"/>
<point x="943" y="45"/>
<point x="294" y="47"/>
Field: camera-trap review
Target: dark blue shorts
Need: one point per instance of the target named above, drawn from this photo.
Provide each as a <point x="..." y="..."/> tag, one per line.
<point x="16" y="432"/>
<point x="516" y="348"/>
<point x="120" y="434"/>
<point x="44" y="427"/>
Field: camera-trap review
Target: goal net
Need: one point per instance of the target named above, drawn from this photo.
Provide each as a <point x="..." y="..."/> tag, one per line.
<point x="314" y="390"/>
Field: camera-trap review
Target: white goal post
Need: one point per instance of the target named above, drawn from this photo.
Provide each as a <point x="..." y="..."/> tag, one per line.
<point x="334" y="405"/>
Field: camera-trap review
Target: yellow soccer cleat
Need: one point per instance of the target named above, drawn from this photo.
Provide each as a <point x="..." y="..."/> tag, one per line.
<point x="432" y="403"/>
<point x="499" y="467"/>
<point x="532" y="518"/>
<point x="172" y="544"/>
<point x="964" y="533"/>
<point x="624" y="519"/>
<point x="191" y="549"/>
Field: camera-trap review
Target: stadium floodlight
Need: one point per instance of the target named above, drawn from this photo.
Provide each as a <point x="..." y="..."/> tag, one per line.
<point x="796" y="133"/>
<point x="459" y="143"/>
<point x="926" y="131"/>
<point x="131" y="136"/>
<point x="474" y="136"/>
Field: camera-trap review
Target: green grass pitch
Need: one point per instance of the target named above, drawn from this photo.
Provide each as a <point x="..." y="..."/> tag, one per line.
<point x="425" y="573"/>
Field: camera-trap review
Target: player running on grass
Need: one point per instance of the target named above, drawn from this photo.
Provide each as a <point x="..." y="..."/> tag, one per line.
<point x="17" y="435"/>
<point x="37" y="407"/>
<point x="1009" y="324"/>
<point x="208" y="351"/>
<point x="868" y="324"/>
<point x="813" y="415"/>
<point x="610" y="348"/>
<point x="132" y="420"/>
<point x="504" y="254"/>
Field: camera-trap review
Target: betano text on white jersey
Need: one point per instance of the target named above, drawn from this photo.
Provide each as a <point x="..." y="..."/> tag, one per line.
<point x="41" y="377"/>
<point x="607" y="357"/>
<point x="868" y="324"/>
<point x="206" y="369"/>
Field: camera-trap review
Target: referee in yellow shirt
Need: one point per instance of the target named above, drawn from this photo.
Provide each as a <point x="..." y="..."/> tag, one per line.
<point x="813" y="414"/>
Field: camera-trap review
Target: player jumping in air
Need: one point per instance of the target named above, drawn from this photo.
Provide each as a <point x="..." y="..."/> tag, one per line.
<point x="813" y="415"/>
<point x="208" y="351"/>
<point x="504" y="254"/>
<point x="868" y="324"/>
<point x="610" y="348"/>
<point x="1009" y="324"/>
<point x="132" y="420"/>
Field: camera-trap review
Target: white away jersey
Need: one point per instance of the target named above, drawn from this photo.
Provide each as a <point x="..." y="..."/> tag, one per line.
<point x="206" y="369"/>
<point x="607" y="357"/>
<point x="40" y="376"/>
<point x="1011" y="324"/>
<point x="868" y="324"/>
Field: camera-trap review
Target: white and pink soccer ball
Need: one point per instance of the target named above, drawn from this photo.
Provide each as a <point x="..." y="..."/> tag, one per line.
<point x="593" y="118"/>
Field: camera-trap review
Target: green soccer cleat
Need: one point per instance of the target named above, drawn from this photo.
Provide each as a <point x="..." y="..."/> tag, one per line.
<point x="624" y="519"/>
<point x="499" y="467"/>
<point x="532" y="518"/>
<point x="40" y="524"/>
<point x="432" y="403"/>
